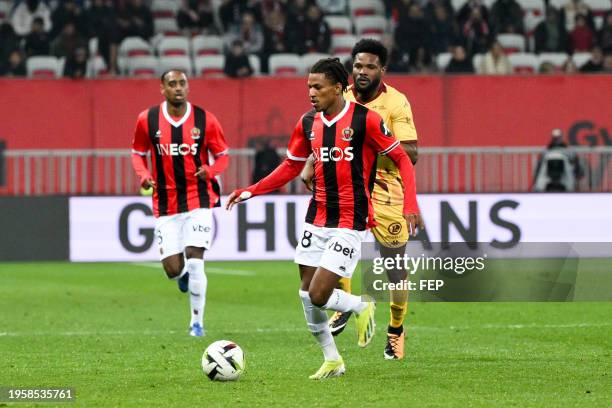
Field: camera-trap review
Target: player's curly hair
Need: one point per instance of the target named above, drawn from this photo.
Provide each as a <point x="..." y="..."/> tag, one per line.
<point x="333" y="70"/>
<point x="371" y="46"/>
<point x="166" y="72"/>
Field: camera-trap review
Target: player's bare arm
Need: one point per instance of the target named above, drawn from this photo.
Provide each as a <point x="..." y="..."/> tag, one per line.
<point x="149" y="183"/>
<point x="411" y="149"/>
<point x="308" y="172"/>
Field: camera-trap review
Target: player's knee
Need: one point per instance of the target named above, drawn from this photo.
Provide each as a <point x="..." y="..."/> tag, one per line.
<point x="194" y="252"/>
<point x="318" y="297"/>
<point x="172" y="273"/>
<point x="172" y="268"/>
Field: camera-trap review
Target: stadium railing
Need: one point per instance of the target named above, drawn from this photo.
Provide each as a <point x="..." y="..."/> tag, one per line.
<point x="439" y="170"/>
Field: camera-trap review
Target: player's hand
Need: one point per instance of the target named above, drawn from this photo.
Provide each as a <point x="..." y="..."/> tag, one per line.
<point x="307" y="173"/>
<point x="203" y="173"/>
<point x="148" y="183"/>
<point x="236" y="197"/>
<point x="414" y="221"/>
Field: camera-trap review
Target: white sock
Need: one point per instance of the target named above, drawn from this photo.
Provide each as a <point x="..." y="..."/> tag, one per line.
<point x="197" y="289"/>
<point x="342" y="301"/>
<point x="316" y="320"/>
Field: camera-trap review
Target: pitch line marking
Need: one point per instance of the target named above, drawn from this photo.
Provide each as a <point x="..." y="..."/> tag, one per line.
<point x="300" y="329"/>
<point x="213" y="270"/>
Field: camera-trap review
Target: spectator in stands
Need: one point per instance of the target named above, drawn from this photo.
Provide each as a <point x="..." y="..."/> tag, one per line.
<point x="249" y="32"/>
<point x="431" y="6"/>
<point x="495" y="61"/>
<point x="476" y="32"/>
<point x="231" y="12"/>
<point x="37" y="42"/>
<point x="332" y="7"/>
<point x="14" y="66"/>
<point x="25" y="11"/>
<point x="296" y="10"/>
<point x="296" y="18"/>
<point x="134" y="19"/>
<point x="66" y="43"/>
<point x="605" y="34"/>
<point x="420" y="62"/>
<point x="76" y="64"/>
<point x="507" y="17"/>
<point x="67" y="10"/>
<point x="398" y="60"/>
<point x="314" y="35"/>
<point x="274" y="35"/>
<point x="197" y="16"/>
<point x="459" y="63"/>
<point x="9" y="41"/>
<point x="581" y="37"/>
<point x="266" y="160"/>
<point x="237" y="63"/>
<point x="550" y="34"/>
<point x="607" y="64"/>
<point x="595" y="64"/>
<point x="465" y="12"/>
<point x="546" y="67"/>
<point x="569" y="66"/>
<point x="412" y="30"/>
<point x="443" y="29"/>
<point x="572" y="9"/>
<point x="101" y="22"/>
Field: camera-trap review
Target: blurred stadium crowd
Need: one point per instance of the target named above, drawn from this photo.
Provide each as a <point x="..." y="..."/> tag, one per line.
<point x="94" y="38"/>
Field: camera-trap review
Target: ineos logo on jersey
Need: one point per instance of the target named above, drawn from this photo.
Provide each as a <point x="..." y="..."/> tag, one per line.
<point x="335" y="246"/>
<point x="175" y="149"/>
<point x="327" y="154"/>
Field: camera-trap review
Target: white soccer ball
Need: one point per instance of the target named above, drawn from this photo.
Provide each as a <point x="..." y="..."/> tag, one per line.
<point x="223" y="360"/>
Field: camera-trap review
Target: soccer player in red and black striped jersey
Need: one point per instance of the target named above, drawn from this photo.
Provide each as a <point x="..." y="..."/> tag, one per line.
<point x="345" y="139"/>
<point x="179" y="136"/>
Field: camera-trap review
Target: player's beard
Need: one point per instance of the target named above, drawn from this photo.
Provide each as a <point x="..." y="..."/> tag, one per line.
<point x="177" y="104"/>
<point x="369" y="89"/>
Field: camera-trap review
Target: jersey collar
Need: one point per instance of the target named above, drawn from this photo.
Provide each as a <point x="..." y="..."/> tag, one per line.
<point x="169" y="118"/>
<point x="336" y="118"/>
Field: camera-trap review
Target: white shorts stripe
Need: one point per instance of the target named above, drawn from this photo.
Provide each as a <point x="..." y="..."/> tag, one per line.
<point x="139" y="153"/>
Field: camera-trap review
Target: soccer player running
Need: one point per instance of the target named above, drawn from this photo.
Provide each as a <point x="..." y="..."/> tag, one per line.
<point x="345" y="139"/>
<point x="391" y="232"/>
<point x="179" y="136"/>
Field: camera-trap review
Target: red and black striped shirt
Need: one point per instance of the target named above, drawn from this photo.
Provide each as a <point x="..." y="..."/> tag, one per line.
<point x="178" y="147"/>
<point x="345" y="149"/>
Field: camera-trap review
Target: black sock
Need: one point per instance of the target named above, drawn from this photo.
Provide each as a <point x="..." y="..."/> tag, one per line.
<point x="395" y="330"/>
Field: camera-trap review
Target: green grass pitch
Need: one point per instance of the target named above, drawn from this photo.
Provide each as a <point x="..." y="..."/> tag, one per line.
<point x="117" y="333"/>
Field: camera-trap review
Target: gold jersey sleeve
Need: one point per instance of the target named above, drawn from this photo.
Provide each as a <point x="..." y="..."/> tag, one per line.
<point x="395" y="110"/>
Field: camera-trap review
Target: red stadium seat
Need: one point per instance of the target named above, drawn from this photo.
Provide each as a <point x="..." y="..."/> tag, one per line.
<point x="368" y="25"/>
<point x="206" y="45"/>
<point x="209" y="65"/>
<point x="366" y="8"/>
<point x="285" y="64"/>
<point x="173" y="46"/>
<point x="43" y="67"/>
<point x="339" y="25"/>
